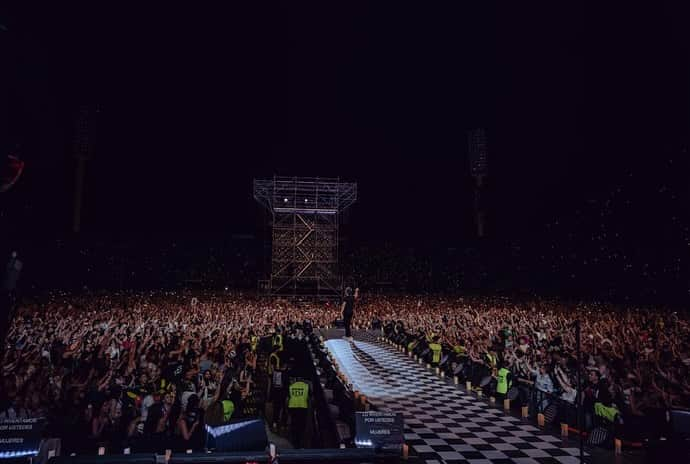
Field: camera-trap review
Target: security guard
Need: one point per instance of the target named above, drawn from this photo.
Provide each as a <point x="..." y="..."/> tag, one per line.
<point x="273" y="361"/>
<point x="435" y="351"/>
<point x="277" y="390"/>
<point x="253" y="341"/>
<point x="228" y="410"/>
<point x="277" y="341"/>
<point x="491" y="359"/>
<point x="609" y="413"/>
<point x="298" y="406"/>
<point x="504" y="380"/>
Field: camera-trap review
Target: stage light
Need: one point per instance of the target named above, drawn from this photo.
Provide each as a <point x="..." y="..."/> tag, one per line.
<point x="285" y="200"/>
<point x="306" y="201"/>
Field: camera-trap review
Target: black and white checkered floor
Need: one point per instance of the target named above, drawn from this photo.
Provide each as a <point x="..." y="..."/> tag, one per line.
<point x="443" y="424"/>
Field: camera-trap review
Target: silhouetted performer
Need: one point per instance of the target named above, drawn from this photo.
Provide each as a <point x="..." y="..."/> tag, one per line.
<point x="348" y="309"/>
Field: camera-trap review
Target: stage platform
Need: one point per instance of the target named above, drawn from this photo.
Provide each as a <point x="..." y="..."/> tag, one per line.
<point x="444" y="424"/>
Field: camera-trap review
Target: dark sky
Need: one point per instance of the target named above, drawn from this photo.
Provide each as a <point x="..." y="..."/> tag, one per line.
<point x="195" y="102"/>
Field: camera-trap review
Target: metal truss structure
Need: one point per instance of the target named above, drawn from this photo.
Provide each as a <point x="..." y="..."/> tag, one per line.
<point x="305" y="214"/>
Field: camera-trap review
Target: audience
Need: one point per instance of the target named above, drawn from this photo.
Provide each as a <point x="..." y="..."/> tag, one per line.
<point x="637" y="359"/>
<point x="147" y="371"/>
<point x="139" y="371"/>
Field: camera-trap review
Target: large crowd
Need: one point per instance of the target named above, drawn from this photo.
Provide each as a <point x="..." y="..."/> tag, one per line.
<point x="142" y="370"/>
<point x="635" y="361"/>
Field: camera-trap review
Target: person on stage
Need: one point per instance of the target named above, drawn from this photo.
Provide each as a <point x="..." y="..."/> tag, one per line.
<point x="348" y="309"/>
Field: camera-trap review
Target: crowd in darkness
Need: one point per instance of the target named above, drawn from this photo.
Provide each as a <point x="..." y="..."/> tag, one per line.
<point x="140" y="370"/>
<point x="635" y="359"/>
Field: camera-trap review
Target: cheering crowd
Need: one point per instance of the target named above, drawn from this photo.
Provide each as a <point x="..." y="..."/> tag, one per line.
<point x="143" y="370"/>
<point x="635" y="362"/>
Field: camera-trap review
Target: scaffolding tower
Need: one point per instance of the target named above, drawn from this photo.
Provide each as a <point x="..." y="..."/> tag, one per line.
<point x="305" y="215"/>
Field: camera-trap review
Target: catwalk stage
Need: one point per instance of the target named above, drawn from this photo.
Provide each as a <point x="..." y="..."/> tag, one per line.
<point x="443" y="424"/>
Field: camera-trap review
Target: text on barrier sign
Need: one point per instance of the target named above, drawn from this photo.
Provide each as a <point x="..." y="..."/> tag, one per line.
<point x="376" y="429"/>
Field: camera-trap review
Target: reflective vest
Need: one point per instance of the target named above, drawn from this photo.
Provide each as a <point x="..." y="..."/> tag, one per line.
<point x="460" y="350"/>
<point x="607" y="412"/>
<point x="411" y="345"/>
<point x="436" y="350"/>
<point x="492" y="359"/>
<point x="502" y="384"/>
<point x="254" y="342"/>
<point x="228" y="409"/>
<point x="278" y="342"/>
<point x="298" y="394"/>
<point x="277" y="379"/>
<point x="277" y="358"/>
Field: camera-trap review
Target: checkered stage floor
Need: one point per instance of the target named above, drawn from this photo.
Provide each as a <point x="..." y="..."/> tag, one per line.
<point x="443" y="424"/>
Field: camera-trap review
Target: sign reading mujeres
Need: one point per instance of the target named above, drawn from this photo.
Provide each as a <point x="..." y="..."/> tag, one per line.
<point x="378" y="429"/>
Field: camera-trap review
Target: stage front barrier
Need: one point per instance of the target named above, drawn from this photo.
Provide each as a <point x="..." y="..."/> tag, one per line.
<point x="343" y="456"/>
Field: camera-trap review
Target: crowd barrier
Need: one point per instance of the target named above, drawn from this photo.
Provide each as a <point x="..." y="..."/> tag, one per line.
<point x="288" y="456"/>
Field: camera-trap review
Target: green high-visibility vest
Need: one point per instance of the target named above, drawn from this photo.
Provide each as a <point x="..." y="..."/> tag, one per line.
<point x="254" y="342"/>
<point x="436" y="350"/>
<point x="270" y="367"/>
<point x="492" y="359"/>
<point x="411" y="345"/>
<point x="502" y="384"/>
<point x="607" y="412"/>
<point x="459" y="350"/>
<point x="228" y="409"/>
<point x="278" y="342"/>
<point x="298" y="395"/>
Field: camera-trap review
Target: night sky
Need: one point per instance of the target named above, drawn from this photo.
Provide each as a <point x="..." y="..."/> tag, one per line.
<point x="195" y="102"/>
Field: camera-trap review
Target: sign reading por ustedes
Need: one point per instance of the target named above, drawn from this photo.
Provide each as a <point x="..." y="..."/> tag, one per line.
<point x="378" y="429"/>
<point x="20" y="437"/>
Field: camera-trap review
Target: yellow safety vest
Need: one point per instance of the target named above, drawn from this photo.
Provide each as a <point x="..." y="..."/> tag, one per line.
<point x="459" y="350"/>
<point x="502" y="385"/>
<point x="278" y="342"/>
<point x="254" y="342"/>
<point x="228" y="410"/>
<point x="298" y="395"/>
<point x="436" y="350"/>
<point x="492" y="359"/>
<point x="270" y="367"/>
<point x="607" y="412"/>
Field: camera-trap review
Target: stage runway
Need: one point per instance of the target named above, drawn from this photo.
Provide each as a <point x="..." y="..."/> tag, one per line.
<point x="443" y="424"/>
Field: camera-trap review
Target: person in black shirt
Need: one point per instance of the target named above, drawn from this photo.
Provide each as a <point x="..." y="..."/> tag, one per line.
<point x="348" y="309"/>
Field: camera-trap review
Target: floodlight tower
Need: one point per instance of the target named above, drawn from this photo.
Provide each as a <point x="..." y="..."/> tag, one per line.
<point x="479" y="165"/>
<point x="305" y="214"/>
<point x="83" y="151"/>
